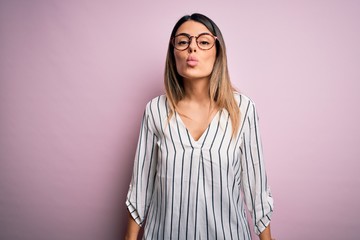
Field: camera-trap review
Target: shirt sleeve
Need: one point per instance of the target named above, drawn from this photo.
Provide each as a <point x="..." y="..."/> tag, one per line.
<point x="254" y="180"/>
<point x="144" y="171"/>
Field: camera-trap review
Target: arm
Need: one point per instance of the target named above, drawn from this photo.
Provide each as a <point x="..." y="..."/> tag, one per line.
<point x="254" y="181"/>
<point x="266" y="234"/>
<point x="132" y="230"/>
<point x="142" y="181"/>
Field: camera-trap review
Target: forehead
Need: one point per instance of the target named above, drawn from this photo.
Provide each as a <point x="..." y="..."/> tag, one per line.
<point x="193" y="28"/>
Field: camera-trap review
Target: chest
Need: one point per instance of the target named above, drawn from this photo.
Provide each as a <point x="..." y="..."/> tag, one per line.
<point x="214" y="151"/>
<point x="197" y="120"/>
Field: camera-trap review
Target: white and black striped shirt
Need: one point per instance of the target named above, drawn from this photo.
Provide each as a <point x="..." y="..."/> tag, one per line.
<point x="187" y="189"/>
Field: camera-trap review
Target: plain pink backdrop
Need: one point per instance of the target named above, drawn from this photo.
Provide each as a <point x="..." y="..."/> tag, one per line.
<point x="75" y="77"/>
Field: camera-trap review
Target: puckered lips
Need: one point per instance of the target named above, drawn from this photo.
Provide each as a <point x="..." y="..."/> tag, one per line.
<point x="192" y="61"/>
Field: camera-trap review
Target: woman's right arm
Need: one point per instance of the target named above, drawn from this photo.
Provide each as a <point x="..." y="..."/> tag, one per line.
<point x="143" y="178"/>
<point x="132" y="230"/>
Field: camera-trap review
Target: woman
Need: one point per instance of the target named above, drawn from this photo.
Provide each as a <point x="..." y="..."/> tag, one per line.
<point x="199" y="157"/>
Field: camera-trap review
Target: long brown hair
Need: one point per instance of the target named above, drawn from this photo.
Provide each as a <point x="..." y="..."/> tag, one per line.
<point x="221" y="89"/>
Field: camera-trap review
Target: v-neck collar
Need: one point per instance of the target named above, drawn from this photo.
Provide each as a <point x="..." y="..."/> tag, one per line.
<point x="203" y="135"/>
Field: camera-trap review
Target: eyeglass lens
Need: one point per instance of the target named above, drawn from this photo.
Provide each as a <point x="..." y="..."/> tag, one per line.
<point x="203" y="41"/>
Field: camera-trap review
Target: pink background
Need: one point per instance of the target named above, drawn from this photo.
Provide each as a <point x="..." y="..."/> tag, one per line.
<point x="75" y="77"/>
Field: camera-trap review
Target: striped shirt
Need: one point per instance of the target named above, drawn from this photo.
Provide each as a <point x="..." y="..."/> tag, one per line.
<point x="187" y="189"/>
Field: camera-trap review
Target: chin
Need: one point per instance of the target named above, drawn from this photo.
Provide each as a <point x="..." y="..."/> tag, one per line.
<point x="188" y="75"/>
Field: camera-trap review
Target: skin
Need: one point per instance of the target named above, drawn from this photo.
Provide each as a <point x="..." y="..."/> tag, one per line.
<point x="132" y="230"/>
<point x="195" y="109"/>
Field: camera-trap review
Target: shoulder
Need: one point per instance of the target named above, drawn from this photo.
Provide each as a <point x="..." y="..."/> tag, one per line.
<point x="155" y="113"/>
<point x="156" y="103"/>
<point x="243" y="100"/>
<point x="157" y="108"/>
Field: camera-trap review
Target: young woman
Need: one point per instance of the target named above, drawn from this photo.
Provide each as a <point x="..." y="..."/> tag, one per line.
<point x="199" y="158"/>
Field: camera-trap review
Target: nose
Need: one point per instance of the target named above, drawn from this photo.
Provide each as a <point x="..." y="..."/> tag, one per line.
<point x="192" y="45"/>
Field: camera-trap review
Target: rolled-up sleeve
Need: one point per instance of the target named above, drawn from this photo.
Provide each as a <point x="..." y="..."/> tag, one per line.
<point x="144" y="171"/>
<point x="258" y="196"/>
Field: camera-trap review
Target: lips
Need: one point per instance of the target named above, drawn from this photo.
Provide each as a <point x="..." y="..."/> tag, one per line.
<point x="192" y="61"/>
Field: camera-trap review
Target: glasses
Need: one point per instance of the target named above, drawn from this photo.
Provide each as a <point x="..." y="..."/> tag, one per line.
<point x="204" y="41"/>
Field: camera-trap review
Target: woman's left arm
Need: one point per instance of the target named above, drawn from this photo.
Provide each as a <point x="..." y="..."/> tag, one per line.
<point x="254" y="180"/>
<point x="266" y="234"/>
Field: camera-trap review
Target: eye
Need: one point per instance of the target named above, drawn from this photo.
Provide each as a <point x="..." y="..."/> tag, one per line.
<point x="204" y="43"/>
<point x="182" y="42"/>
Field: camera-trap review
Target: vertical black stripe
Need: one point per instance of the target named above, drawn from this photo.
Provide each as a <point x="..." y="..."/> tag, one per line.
<point x="166" y="169"/>
<point x="146" y="142"/>
<point x="159" y="208"/>
<point x="204" y="187"/>
<point x="227" y="182"/>
<point x="196" y="202"/>
<point x="220" y="171"/>
<point x="189" y="187"/>
<point x="182" y="174"/>
<point x="212" y="178"/>
<point x="150" y="181"/>
<point x="173" y="173"/>
<point x="248" y="178"/>
<point x="158" y="196"/>
<point x="241" y="129"/>
<point x="138" y="166"/>
<point x="197" y="188"/>
<point x="156" y="214"/>
<point x="206" y="204"/>
<point x="150" y="223"/>
<point x="262" y="191"/>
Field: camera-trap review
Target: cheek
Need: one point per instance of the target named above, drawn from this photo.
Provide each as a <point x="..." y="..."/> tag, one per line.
<point x="213" y="56"/>
<point x="180" y="61"/>
<point x="211" y="60"/>
<point x="178" y="56"/>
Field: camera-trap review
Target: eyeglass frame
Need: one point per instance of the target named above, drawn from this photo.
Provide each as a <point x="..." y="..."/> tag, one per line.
<point x="190" y="40"/>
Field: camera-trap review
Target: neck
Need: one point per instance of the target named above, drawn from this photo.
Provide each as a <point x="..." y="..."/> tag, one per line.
<point x="197" y="90"/>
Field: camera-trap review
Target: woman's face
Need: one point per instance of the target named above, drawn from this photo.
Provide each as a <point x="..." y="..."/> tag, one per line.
<point x="194" y="63"/>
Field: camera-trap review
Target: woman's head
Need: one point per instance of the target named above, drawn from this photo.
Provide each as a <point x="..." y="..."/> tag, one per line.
<point x="195" y="51"/>
<point x="218" y="71"/>
<point x="215" y="68"/>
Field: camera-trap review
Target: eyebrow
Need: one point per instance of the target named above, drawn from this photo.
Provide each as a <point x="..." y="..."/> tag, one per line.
<point x="187" y="34"/>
